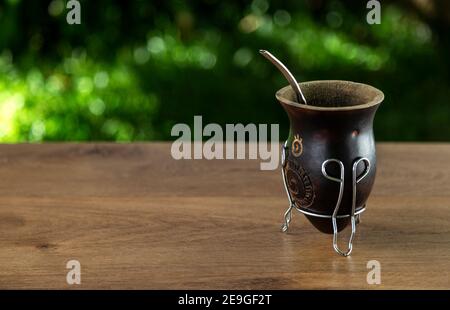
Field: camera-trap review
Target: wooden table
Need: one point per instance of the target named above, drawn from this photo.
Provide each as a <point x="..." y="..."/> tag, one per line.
<point x="136" y="218"/>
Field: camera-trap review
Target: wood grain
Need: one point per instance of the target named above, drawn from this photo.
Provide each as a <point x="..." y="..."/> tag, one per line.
<point x="137" y="219"/>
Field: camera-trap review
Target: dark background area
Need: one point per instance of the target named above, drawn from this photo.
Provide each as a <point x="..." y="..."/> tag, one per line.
<point x="133" y="69"/>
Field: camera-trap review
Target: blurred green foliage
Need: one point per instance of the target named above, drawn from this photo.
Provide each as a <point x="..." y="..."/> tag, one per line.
<point x="133" y="69"/>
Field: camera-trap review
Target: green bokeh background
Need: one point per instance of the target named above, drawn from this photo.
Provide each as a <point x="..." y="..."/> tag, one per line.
<point x="133" y="69"/>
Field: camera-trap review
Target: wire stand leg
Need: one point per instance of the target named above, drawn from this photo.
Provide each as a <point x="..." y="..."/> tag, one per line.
<point x="288" y="213"/>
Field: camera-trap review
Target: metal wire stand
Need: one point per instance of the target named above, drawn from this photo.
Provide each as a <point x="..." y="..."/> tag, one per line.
<point x="355" y="216"/>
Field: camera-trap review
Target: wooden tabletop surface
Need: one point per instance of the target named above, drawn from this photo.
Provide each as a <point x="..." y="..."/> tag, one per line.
<point x="137" y="219"/>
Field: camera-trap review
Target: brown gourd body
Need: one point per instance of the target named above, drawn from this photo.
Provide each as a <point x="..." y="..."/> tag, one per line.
<point x="337" y="123"/>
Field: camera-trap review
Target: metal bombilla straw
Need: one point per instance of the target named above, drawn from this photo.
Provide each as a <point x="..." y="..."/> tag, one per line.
<point x="287" y="74"/>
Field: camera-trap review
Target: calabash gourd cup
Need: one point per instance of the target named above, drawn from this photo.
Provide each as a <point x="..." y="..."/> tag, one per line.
<point x="329" y="160"/>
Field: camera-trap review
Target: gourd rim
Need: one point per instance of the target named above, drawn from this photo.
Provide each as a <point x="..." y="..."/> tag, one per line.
<point x="368" y="95"/>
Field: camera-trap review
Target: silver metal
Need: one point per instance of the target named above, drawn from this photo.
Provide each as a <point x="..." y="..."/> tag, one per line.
<point x="355" y="217"/>
<point x="293" y="205"/>
<point x="288" y="213"/>
<point x="324" y="216"/>
<point x="287" y="74"/>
